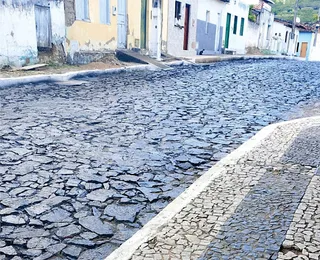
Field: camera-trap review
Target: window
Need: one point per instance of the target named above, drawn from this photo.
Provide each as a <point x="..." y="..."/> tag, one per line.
<point x="82" y="10"/>
<point x="235" y="24"/>
<point x="207" y="21"/>
<point x="298" y="45"/>
<point x="242" y="27"/>
<point x="269" y="32"/>
<point x="105" y="11"/>
<point x="177" y="10"/>
<point x="286" y="37"/>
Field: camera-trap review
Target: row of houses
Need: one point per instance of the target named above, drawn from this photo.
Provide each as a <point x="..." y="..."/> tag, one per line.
<point x="81" y="31"/>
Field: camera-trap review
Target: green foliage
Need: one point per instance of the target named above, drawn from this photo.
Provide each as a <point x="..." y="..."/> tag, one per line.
<point x="252" y="17"/>
<point x="307" y="11"/>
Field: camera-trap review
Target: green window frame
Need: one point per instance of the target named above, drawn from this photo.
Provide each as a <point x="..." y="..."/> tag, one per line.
<point x="242" y="27"/>
<point x="235" y="24"/>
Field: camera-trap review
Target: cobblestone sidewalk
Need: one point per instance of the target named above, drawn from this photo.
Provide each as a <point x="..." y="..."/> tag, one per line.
<point x="263" y="206"/>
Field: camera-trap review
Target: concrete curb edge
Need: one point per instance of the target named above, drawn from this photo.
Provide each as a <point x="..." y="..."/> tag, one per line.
<point x="7" y="82"/>
<point x="148" y="231"/>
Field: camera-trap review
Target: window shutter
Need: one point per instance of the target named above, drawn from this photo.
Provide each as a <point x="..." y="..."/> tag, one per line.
<point x="105" y="11"/>
<point x="235" y="25"/>
<point x="242" y="27"/>
<point x="108" y="14"/>
<point x="103" y="7"/>
<point x="79" y="9"/>
<point x="86" y="9"/>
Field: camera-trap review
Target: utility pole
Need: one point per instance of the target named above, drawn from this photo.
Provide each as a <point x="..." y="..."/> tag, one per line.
<point x="293" y="36"/>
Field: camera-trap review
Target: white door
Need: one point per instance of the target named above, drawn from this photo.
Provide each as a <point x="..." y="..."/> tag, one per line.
<point x="122" y="23"/>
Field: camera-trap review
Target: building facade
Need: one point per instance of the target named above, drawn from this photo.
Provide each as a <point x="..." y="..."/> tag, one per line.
<point x="209" y="26"/>
<point x="261" y="26"/>
<point x="28" y="29"/>
<point x="236" y="22"/>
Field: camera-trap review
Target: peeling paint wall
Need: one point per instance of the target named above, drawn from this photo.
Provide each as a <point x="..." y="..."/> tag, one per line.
<point x="18" y="37"/>
<point x="57" y="22"/>
<point x="91" y="35"/>
<point x="18" y="43"/>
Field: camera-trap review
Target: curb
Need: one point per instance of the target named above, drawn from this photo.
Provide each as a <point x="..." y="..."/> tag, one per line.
<point x="7" y="82"/>
<point x="212" y="59"/>
<point x="148" y="231"/>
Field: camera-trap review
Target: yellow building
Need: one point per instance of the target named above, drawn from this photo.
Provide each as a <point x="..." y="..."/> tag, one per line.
<point x="94" y="25"/>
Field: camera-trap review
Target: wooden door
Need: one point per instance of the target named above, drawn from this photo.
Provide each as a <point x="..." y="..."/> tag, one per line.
<point x="122" y="24"/>
<point x="304" y="48"/>
<point x="186" y="27"/>
<point x="226" y="40"/>
<point x="43" y="26"/>
<point x="143" y="32"/>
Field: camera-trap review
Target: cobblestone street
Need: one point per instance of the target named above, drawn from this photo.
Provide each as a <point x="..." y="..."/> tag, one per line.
<point x="83" y="167"/>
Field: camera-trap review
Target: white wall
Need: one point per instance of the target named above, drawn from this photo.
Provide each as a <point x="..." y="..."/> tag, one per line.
<point x="278" y="44"/>
<point x="315" y="50"/>
<point x="252" y="36"/>
<point x="58" y="24"/>
<point x="176" y="35"/>
<point x="217" y="10"/>
<point x="214" y="6"/>
<point x="18" y="38"/>
<point x="241" y="9"/>
<point x="18" y="44"/>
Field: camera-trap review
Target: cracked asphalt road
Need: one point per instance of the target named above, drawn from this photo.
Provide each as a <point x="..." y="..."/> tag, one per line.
<point x="84" y="167"/>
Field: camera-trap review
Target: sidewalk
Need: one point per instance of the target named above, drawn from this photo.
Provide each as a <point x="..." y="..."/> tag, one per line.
<point x="260" y="202"/>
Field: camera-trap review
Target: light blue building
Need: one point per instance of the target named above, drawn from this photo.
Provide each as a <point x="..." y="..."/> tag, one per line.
<point x="304" y="44"/>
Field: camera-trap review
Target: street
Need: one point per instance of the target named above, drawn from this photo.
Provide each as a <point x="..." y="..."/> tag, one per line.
<point x="86" y="166"/>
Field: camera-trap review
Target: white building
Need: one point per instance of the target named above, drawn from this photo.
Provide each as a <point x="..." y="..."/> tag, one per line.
<point x="235" y="21"/>
<point x="260" y="30"/>
<point x="209" y="26"/>
<point x="281" y="42"/>
<point x="27" y="27"/>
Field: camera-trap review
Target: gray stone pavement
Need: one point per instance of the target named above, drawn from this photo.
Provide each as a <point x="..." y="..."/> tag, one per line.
<point x="83" y="167"/>
<point x="265" y="205"/>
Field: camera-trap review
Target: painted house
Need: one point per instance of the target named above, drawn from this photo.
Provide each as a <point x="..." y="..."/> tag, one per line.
<point x="281" y="40"/>
<point x="209" y="26"/>
<point x="260" y="26"/>
<point x="315" y="50"/>
<point x="94" y="26"/>
<point x="167" y="25"/>
<point x="305" y="43"/>
<point x="235" y="21"/>
<point x="30" y="28"/>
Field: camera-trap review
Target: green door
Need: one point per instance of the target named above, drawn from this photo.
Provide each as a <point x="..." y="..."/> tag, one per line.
<point x="226" y="40"/>
<point x="143" y="35"/>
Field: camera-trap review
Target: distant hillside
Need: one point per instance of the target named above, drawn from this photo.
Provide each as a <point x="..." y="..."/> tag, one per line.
<point x="308" y="10"/>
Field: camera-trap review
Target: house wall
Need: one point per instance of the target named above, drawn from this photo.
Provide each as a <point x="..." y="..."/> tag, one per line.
<point x="92" y="35"/>
<point x="305" y="37"/>
<point x="134" y="23"/>
<point x="210" y="41"/>
<point x="18" y="42"/>
<point x="266" y="21"/>
<point x="315" y="50"/>
<point x="176" y="35"/>
<point x="252" y="37"/>
<point x="241" y="9"/>
<point x="278" y="44"/>
<point x="58" y="23"/>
